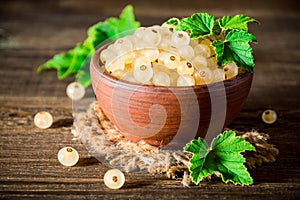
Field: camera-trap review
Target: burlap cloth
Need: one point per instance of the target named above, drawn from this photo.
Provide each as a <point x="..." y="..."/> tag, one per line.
<point x="104" y="141"/>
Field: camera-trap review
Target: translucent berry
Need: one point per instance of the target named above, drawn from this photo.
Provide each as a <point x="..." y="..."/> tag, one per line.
<point x="75" y="91"/>
<point x="107" y="54"/>
<point x="43" y="120"/>
<point x="68" y="156"/>
<point x="140" y="32"/>
<point x="212" y="63"/>
<point x="128" y="57"/>
<point x="203" y="76"/>
<point x="180" y="38"/>
<point x="115" y="64"/>
<point x="160" y="68"/>
<point x="219" y="75"/>
<point x="171" y="27"/>
<point x="168" y="59"/>
<point x="193" y="43"/>
<point x="164" y="43"/>
<point x="269" y="116"/>
<point x="185" y="80"/>
<point x="151" y="53"/>
<point x="152" y="36"/>
<point x="162" y="79"/>
<point x="173" y="78"/>
<point x="118" y="73"/>
<point x="203" y="50"/>
<point x="129" y="78"/>
<point x="123" y="45"/>
<point x="206" y="42"/>
<point x="114" y="179"/>
<point x="142" y="60"/>
<point x="231" y="70"/>
<point x="199" y="61"/>
<point x="186" y="52"/>
<point x="185" y="68"/>
<point x="165" y="32"/>
<point x="143" y="71"/>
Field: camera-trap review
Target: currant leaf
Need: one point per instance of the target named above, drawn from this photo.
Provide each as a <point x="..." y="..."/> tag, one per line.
<point x="223" y="156"/>
<point x="238" y="22"/>
<point x="236" y="48"/>
<point x="173" y="21"/>
<point x="198" y="25"/>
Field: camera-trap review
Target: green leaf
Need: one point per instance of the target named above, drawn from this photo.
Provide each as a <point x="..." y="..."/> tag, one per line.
<point x="173" y="21"/>
<point x="224" y="156"/>
<point x="216" y="28"/>
<point x="70" y="62"/>
<point x="236" y="48"/>
<point x="198" y="25"/>
<point x="238" y="22"/>
<point x="116" y="28"/>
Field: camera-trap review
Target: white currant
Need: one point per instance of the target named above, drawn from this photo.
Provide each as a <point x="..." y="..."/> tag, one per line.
<point x="162" y="79"/>
<point x="185" y="80"/>
<point x="75" y="91"/>
<point x="68" y="156"/>
<point x="180" y="38"/>
<point x="43" y="120"/>
<point x="185" y="68"/>
<point x="114" y="179"/>
<point x="231" y="70"/>
<point x="269" y="116"/>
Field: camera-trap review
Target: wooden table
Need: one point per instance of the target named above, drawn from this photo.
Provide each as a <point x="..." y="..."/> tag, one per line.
<point x="33" y="31"/>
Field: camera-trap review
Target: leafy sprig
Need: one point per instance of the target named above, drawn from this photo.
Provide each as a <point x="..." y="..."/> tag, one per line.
<point x="229" y="35"/>
<point x="76" y="60"/>
<point x="223" y="156"/>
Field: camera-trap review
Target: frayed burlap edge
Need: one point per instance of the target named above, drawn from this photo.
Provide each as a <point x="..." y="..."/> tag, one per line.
<point x="105" y="142"/>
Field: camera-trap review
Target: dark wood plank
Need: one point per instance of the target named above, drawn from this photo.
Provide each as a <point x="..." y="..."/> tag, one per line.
<point x="33" y="31"/>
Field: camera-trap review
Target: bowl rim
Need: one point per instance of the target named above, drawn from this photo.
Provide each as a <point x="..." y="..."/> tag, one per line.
<point x="95" y="64"/>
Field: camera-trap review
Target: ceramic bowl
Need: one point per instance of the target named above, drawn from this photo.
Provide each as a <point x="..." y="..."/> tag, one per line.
<point x="163" y="115"/>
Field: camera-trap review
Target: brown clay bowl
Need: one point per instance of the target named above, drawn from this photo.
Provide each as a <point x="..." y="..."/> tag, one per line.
<point x="168" y="115"/>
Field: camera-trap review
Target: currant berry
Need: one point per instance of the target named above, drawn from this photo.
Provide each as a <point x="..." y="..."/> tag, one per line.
<point x="129" y="78"/>
<point x="151" y="53"/>
<point x="185" y="80"/>
<point x="152" y="35"/>
<point x="107" y="54"/>
<point x="118" y="73"/>
<point x="199" y="61"/>
<point x="193" y="43"/>
<point x="140" y="32"/>
<point x="162" y="79"/>
<point x="269" y="116"/>
<point x="43" y="120"/>
<point x="168" y="59"/>
<point x="143" y="71"/>
<point x="75" y="91"/>
<point x="160" y="68"/>
<point x="185" y="68"/>
<point x="68" y="156"/>
<point x="203" y="50"/>
<point x="203" y="76"/>
<point x="219" y="75"/>
<point x="186" y="52"/>
<point x="180" y="38"/>
<point x="173" y="78"/>
<point x="114" y="179"/>
<point x="231" y="70"/>
<point x="123" y="45"/>
<point x="115" y="64"/>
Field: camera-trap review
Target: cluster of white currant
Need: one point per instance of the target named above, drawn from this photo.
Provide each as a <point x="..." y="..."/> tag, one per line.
<point x="159" y="56"/>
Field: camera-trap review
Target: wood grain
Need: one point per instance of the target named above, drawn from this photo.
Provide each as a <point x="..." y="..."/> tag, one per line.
<point x="33" y="31"/>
